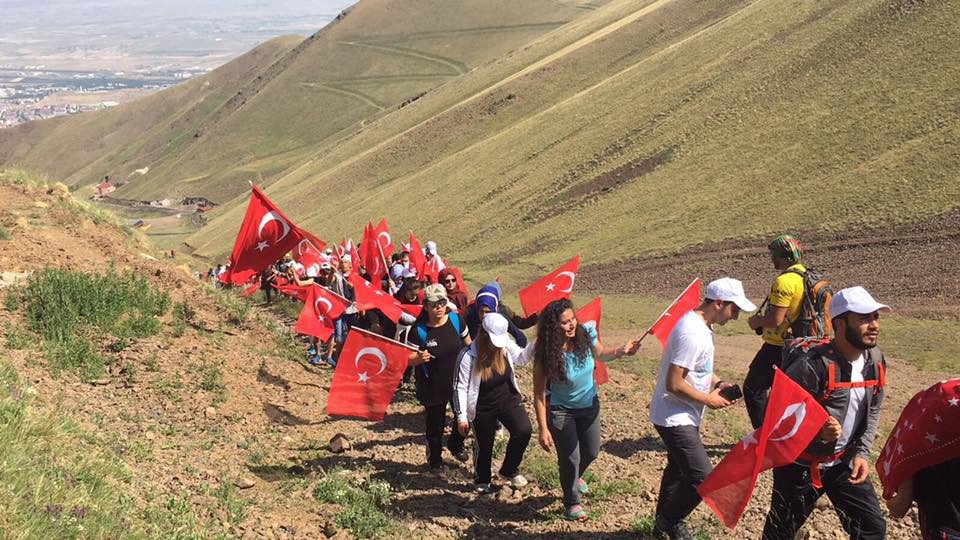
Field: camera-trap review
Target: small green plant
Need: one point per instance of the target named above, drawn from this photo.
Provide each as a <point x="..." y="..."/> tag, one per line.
<point x="13" y="299"/>
<point x="542" y="469"/>
<point x="6" y="234"/>
<point x="236" y="309"/>
<point x="183" y="315"/>
<point x="233" y="506"/>
<point x="601" y="490"/>
<point x="18" y="338"/>
<point x="363" y="502"/>
<point x="643" y="525"/>
<point x="75" y="354"/>
<point x="211" y="380"/>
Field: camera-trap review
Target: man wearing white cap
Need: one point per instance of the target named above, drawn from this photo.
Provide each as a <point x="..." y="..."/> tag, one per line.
<point x="686" y="385"/>
<point x="847" y="377"/>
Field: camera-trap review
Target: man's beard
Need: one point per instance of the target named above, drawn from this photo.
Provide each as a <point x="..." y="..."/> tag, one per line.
<point x="856" y="340"/>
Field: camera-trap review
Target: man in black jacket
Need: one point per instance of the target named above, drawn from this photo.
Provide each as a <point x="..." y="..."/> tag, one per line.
<point x="847" y="377"/>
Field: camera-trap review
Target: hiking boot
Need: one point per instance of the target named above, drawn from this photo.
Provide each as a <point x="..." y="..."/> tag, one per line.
<point x="517" y="480"/>
<point x="482" y="489"/>
<point x="662" y="531"/>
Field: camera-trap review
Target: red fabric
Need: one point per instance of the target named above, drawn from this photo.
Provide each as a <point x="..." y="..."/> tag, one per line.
<point x="688" y="299"/>
<point x="927" y="434"/>
<point x="309" y="252"/>
<point x="792" y="419"/>
<point x="293" y="291"/>
<point x="418" y="261"/>
<point x="252" y="288"/>
<point x="265" y="236"/>
<point x="373" y="261"/>
<point x="369" y="296"/>
<point x="320" y="310"/>
<point x="367" y="375"/>
<point x="431" y="269"/>
<point x="412" y="309"/>
<point x="589" y="315"/>
<point x="555" y="285"/>
<point x="461" y="284"/>
<point x="382" y="233"/>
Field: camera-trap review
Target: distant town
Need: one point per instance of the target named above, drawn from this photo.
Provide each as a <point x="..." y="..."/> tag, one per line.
<point x="35" y="92"/>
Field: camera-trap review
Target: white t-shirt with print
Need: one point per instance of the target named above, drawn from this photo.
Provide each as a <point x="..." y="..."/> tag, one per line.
<point x="690" y="346"/>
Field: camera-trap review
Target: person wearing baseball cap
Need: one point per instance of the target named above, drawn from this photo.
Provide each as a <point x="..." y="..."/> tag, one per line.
<point x="441" y="334"/>
<point x="487" y="393"/>
<point x="686" y="386"/>
<point x="847" y="377"/>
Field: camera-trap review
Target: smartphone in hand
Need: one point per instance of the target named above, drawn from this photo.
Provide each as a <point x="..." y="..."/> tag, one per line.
<point x="732" y="393"/>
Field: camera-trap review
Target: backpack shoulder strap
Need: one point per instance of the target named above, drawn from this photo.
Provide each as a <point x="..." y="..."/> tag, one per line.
<point x="455" y="319"/>
<point x="422" y="334"/>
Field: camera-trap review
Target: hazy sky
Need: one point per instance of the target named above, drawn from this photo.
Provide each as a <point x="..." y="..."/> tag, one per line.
<point x="37" y="31"/>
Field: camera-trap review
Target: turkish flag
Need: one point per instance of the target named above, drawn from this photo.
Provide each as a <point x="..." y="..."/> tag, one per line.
<point x="309" y="251"/>
<point x="294" y="291"/>
<point x="412" y="309"/>
<point x="589" y="315"/>
<point x="418" y="261"/>
<point x="555" y="285"/>
<point x="369" y="296"/>
<point x="432" y="268"/>
<point x="461" y="284"/>
<point x="367" y="375"/>
<point x="927" y="434"/>
<point x="793" y="418"/>
<point x="265" y="236"/>
<point x="319" y="312"/>
<point x="372" y="255"/>
<point x="382" y="233"/>
<point x="688" y="299"/>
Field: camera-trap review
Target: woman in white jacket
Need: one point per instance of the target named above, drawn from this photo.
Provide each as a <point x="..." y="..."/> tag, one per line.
<point x="486" y="392"/>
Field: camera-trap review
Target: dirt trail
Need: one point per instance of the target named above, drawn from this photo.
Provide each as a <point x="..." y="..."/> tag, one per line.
<point x="180" y="439"/>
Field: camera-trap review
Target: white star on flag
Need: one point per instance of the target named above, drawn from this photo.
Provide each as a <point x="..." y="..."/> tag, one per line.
<point x="262" y="245"/>
<point x="748" y="440"/>
<point x="551" y="286"/>
<point x="899" y="448"/>
<point x="932" y="438"/>
<point x="938" y="418"/>
<point x="954" y="402"/>
<point x="363" y="377"/>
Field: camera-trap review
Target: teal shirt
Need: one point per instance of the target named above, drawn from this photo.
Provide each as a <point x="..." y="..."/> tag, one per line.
<point x="579" y="390"/>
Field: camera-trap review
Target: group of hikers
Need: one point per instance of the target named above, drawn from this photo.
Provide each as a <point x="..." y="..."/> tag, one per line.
<point x="467" y="352"/>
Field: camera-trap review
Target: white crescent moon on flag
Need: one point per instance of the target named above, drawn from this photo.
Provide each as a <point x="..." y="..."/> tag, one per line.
<point x="322" y="300"/>
<point x="300" y="246"/>
<point x="372" y="351"/>
<point x="799" y="410"/>
<point x="273" y="216"/>
<point x="572" y="277"/>
<point x="381" y="235"/>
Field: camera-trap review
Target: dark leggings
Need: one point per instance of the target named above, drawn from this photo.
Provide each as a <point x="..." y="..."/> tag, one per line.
<point x="515" y="419"/>
<point x="436" y="421"/>
<point x="756" y="387"/>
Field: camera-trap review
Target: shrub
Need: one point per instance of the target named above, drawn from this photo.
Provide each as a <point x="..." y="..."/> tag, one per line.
<point x="364" y="503"/>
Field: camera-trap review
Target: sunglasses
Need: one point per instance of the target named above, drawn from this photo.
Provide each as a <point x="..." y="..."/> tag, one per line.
<point x="438" y="304"/>
<point x="450" y="280"/>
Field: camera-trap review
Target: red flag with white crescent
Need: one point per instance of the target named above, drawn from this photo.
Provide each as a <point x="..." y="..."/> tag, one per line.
<point x="555" y="285"/>
<point x="382" y="234"/>
<point x="373" y="261"/>
<point x="367" y="375"/>
<point x="418" y="261"/>
<point x="688" y="299"/>
<point x="265" y="236"/>
<point x="793" y="418"/>
<point x="319" y="312"/>
<point x="369" y="296"/>
<point x="293" y="291"/>
<point x="309" y="251"/>
<point x="589" y="315"/>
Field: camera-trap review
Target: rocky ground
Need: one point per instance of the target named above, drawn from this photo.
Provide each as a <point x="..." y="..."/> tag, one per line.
<point x="262" y="427"/>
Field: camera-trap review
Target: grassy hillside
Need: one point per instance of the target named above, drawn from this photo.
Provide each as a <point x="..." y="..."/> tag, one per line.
<point x="286" y="107"/>
<point x="688" y="123"/>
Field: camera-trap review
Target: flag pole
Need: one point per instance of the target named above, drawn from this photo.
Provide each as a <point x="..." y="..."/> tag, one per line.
<point x="675" y="300"/>
<point x="362" y="331"/>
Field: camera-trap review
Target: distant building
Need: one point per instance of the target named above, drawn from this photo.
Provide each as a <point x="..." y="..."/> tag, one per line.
<point x="103" y="188"/>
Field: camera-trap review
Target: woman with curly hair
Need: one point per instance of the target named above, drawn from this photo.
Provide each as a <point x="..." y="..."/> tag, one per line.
<point x="565" y="395"/>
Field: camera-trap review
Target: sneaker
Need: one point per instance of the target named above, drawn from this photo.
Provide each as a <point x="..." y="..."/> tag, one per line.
<point x="482" y="489"/>
<point x="662" y="531"/>
<point x="517" y="481"/>
<point x="315" y="360"/>
<point x="331" y="362"/>
<point x="582" y="486"/>
<point x="461" y="455"/>
<point x="575" y="513"/>
<point x="312" y="351"/>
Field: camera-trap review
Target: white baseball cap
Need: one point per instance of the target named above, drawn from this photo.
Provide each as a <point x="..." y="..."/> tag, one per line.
<point x="857" y="300"/>
<point x="496" y="326"/>
<point x="729" y="290"/>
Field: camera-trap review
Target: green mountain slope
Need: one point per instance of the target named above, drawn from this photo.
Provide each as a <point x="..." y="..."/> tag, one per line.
<point x="692" y="122"/>
<point x="292" y="105"/>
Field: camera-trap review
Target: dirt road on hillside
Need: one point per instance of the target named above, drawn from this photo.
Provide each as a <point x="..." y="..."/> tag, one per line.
<point x="909" y="266"/>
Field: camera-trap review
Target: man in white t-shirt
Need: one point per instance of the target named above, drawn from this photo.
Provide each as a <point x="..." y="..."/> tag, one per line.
<point x="686" y="385"/>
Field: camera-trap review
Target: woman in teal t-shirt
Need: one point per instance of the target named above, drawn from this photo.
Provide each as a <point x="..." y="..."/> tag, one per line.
<point x="565" y="395"/>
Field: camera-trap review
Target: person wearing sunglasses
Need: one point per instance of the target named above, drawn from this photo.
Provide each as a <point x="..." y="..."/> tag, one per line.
<point x="456" y="296"/>
<point x="442" y="335"/>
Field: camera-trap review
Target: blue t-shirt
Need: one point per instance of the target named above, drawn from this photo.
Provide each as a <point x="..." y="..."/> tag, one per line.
<point x="579" y="390"/>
